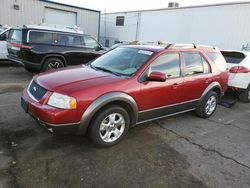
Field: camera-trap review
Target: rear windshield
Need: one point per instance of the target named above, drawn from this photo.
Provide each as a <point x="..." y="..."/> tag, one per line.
<point x="218" y="60"/>
<point x="16" y="36"/>
<point x="233" y="57"/>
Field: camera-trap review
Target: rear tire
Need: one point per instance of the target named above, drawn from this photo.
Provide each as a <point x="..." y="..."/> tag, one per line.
<point x="244" y="95"/>
<point x="208" y="105"/>
<point x="109" y="126"/>
<point x="52" y="63"/>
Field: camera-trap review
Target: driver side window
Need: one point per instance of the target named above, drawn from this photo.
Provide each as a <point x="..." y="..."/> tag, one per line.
<point x="169" y="64"/>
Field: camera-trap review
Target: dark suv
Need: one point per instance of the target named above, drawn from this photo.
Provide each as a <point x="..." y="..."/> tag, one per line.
<point x="41" y="48"/>
<point x="127" y="86"/>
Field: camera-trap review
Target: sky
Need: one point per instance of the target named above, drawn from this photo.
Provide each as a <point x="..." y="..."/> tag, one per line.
<point x="128" y="5"/>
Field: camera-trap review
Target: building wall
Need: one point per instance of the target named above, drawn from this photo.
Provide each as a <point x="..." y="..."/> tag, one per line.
<point x="32" y="12"/>
<point x="225" y="26"/>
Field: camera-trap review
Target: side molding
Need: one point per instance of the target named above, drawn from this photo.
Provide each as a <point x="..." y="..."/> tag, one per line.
<point x="210" y="87"/>
<point x="101" y="102"/>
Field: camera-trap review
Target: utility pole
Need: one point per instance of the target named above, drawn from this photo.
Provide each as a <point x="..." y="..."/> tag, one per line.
<point x="138" y="26"/>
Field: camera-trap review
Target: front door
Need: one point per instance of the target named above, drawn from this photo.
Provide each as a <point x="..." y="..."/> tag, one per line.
<point x="160" y="98"/>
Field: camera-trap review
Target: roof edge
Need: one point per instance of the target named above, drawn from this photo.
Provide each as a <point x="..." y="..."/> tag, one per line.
<point x="184" y="7"/>
<point x="68" y="5"/>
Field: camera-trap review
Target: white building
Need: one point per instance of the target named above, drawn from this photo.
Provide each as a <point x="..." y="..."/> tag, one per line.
<point x="29" y="12"/>
<point x="225" y="25"/>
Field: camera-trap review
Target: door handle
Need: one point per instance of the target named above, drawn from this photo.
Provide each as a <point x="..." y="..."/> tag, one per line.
<point x="175" y="85"/>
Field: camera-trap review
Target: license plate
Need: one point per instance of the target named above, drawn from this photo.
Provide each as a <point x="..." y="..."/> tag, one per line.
<point x="24" y="105"/>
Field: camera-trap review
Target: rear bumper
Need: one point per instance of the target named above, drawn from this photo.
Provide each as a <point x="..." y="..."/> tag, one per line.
<point x="27" y="64"/>
<point x="239" y="80"/>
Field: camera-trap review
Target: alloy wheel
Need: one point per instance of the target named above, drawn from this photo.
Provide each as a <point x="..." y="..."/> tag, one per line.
<point x="210" y="105"/>
<point x="112" y="127"/>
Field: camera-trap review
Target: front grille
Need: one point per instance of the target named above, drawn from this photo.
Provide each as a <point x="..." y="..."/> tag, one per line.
<point x="36" y="91"/>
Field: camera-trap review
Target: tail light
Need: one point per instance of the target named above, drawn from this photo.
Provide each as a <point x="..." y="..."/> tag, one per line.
<point x="21" y="46"/>
<point x="239" y="69"/>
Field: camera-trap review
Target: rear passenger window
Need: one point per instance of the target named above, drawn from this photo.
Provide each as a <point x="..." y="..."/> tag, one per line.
<point x="60" y="39"/>
<point x="37" y="37"/>
<point x="168" y="64"/>
<point x="193" y="63"/>
<point x="75" y="40"/>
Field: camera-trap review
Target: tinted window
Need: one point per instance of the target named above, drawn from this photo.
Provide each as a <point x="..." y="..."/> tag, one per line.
<point x="75" y="40"/>
<point x="193" y="63"/>
<point x="120" y="20"/>
<point x="218" y="60"/>
<point x="90" y="42"/>
<point x="16" y="36"/>
<point x="38" y="37"/>
<point x="233" y="57"/>
<point x="168" y="64"/>
<point x="60" y="39"/>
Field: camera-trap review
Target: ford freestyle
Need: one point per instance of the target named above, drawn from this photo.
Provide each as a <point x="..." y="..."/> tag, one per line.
<point x="127" y="86"/>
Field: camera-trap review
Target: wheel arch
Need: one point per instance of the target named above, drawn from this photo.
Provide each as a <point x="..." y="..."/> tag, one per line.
<point x="61" y="57"/>
<point x="119" y="98"/>
<point x="214" y="86"/>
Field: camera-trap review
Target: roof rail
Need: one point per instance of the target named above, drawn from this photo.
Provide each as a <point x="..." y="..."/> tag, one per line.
<point x="73" y="28"/>
<point x="172" y="45"/>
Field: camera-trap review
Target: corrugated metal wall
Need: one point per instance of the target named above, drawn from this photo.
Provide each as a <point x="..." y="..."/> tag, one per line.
<point x="226" y="26"/>
<point x="32" y="12"/>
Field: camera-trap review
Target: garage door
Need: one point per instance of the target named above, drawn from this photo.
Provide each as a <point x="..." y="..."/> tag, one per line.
<point x="60" y="17"/>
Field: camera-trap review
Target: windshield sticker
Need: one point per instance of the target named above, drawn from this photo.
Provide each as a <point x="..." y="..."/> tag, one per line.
<point x="145" y="52"/>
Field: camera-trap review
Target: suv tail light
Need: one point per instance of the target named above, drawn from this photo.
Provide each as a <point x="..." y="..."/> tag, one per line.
<point x="239" y="69"/>
<point x="21" y="46"/>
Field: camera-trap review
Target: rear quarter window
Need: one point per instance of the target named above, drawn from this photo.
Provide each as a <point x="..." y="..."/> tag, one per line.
<point x="218" y="60"/>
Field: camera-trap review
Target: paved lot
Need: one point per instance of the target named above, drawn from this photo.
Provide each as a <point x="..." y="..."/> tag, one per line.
<point x="180" y="151"/>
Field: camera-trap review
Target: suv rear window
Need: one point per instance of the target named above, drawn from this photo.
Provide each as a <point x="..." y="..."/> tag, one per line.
<point x="37" y="37"/>
<point x="218" y="60"/>
<point x="16" y="36"/>
<point x="233" y="57"/>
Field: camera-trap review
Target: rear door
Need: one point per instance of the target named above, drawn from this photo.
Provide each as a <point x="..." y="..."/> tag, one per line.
<point x="197" y="75"/>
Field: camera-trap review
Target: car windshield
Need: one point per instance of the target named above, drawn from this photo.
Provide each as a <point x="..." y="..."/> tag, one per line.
<point x="122" y="61"/>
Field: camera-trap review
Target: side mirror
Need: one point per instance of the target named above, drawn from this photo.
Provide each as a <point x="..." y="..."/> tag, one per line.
<point x="3" y="37"/>
<point x="157" y="76"/>
<point x="99" y="47"/>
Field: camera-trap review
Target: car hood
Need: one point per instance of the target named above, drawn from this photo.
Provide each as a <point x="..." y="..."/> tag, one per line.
<point x="68" y="80"/>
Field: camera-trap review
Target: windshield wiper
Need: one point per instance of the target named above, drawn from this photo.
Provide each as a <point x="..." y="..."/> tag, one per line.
<point x="105" y="70"/>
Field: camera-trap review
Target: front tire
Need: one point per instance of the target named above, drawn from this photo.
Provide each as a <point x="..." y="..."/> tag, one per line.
<point x="244" y="95"/>
<point x="109" y="126"/>
<point x="208" y="105"/>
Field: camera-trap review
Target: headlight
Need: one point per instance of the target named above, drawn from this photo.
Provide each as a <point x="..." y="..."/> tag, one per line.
<point x="62" y="101"/>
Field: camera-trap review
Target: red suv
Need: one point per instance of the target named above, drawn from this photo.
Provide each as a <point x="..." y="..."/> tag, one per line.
<point x="124" y="87"/>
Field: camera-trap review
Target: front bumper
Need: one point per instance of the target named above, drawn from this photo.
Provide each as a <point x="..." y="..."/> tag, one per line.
<point x="53" y="119"/>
